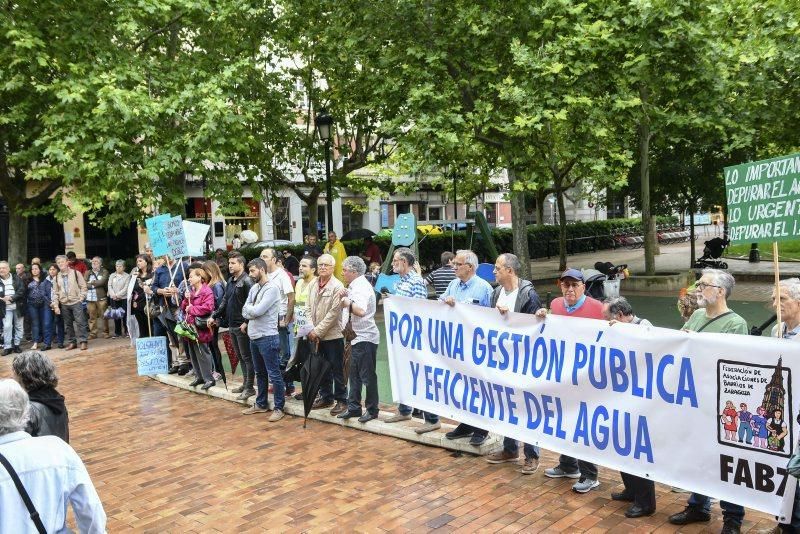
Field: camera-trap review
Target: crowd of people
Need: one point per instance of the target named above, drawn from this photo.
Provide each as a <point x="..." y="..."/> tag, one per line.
<point x="276" y="318"/>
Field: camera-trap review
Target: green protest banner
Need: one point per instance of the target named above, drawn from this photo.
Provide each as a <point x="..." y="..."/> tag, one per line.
<point x="764" y="200"/>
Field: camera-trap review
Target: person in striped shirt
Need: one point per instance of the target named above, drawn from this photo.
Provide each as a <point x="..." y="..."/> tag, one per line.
<point x="441" y="277"/>
<point x="410" y="285"/>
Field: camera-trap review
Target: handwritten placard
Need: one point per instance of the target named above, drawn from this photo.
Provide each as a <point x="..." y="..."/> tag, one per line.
<point x="176" y="239"/>
<point x="155" y="233"/>
<point x="151" y="355"/>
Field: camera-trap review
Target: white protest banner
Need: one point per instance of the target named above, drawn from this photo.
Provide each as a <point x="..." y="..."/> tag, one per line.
<point x="195" y="237"/>
<point x="151" y="355"/>
<point x="155" y="233"/>
<point x="176" y="240"/>
<point x="662" y="404"/>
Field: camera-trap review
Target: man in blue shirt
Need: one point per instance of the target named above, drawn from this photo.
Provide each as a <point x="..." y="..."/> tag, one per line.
<point x="467" y="288"/>
<point x="412" y="286"/>
<point x="166" y="280"/>
<point x="49" y="470"/>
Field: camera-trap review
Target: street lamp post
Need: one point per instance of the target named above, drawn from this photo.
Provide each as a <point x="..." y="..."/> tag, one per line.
<point x="323" y="123"/>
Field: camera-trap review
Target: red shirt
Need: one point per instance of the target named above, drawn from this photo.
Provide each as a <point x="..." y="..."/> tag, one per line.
<point x="373" y="252"/>
<point x="590" y="309"/>
<point x="78" y="265"/>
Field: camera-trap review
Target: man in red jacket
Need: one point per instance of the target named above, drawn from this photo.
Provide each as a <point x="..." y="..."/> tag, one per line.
<point x="574" y="303"/>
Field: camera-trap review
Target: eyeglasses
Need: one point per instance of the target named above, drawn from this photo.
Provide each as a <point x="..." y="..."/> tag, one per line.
<point x="571" y="284"/>
<point x="324" y="265"/>
<point x="702" y="285"/>
<point x="459" y="264"/>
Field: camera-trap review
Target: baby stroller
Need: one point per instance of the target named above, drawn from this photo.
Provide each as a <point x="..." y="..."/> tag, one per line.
<point x="603" y="281"/>
<point x="712" y="254"/>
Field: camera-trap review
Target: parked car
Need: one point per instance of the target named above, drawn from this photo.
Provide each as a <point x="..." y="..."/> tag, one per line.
<point x="271" y="243"/>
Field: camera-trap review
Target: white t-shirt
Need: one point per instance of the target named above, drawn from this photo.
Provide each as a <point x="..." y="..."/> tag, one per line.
<point x="362" y="294"/>
<point x="281" y="279"/>
<point x="507" y="300"/>
<point x="9" y="287"/>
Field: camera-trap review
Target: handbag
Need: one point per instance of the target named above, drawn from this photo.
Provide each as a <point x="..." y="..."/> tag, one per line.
<point x="200" y="321"/>
<point x="793" y="467"/>
<point x="37" y="521"/>
<point x="348" y="332"/>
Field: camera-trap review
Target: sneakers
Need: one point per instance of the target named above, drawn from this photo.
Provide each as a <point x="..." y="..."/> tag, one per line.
<point x="428" y="427"/>
<point x="557" y="472"/>
<point x="276" y="416"/>
<point x="254" y="409"/>
<point x="530" y="466"/>
<point x="585" y="485"/>
<point x="397" y="418"/>
<point x="502" y="456"/>
<point x="246" y="394"/>
<point x="689" y="515"/>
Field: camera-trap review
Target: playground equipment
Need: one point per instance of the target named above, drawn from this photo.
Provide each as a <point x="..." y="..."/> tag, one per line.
<point x="404" y="234"/>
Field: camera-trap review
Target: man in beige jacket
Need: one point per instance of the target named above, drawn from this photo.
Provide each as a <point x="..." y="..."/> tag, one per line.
<point x="69" y="292"/>
<point x="324" y="311"/>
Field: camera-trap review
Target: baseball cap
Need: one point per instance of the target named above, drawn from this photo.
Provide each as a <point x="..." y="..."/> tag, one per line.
<point x="572" y="273"/>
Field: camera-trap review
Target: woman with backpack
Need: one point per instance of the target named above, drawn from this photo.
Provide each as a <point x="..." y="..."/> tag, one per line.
<point x="38" y="293"/>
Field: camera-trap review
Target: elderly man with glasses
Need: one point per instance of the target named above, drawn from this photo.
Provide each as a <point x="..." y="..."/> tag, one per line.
<point x="467" y="288"/>
<point x="324" y="312"/>
<point x="713" y="290"/>
<point x="574" y="303"/>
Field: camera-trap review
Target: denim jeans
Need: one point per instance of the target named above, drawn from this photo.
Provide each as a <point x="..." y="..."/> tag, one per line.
<point x="362" y="374"/>
<point x="511" y="446"/>
<point x="730" y="511"/>
<point x="36" y="314"/>
<point x="332" y="387"/>
<point x="241" y="344"/>
<point x="53" y="327"/>
<point x="12" y="328"/>
<point x="267" y="362"/>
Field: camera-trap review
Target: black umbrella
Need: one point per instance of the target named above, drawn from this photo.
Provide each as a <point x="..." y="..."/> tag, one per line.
<point x="311" y="375"/>
<point x="302" y="349"/>
<point x="358" y="233"/>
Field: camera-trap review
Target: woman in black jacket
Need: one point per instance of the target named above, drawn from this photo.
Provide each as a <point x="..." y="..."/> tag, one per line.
<point x="48" y="413"/>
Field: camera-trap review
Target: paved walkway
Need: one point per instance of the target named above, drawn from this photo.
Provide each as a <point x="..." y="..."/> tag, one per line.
<point x="166" y="460"/>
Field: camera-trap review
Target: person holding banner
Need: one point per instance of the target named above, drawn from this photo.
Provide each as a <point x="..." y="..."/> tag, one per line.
<point x="412" y="286"/>
<point x="638" y="490"/>
<point x="514" y="294"/>
<point x="789" y="329"/>
<point x="574" y="303"/>
<point x="713" y="316"/>
<point x="467" y="288"/>
<point x="167" y="278"/>
<point x="197" y="304"/>
<point x="236" y="291"/>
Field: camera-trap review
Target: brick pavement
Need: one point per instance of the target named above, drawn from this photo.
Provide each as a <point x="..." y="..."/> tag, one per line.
<point x="165" y="460"/>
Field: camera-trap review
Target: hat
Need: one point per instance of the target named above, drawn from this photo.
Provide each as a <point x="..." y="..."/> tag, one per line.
<point x="572" y="273"/>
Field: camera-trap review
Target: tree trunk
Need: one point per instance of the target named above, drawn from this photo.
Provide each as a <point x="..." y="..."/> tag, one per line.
<point x="692" y="209"/>
<point x="562" y="230"/>
<point x="648" y="222"/>
<point x="541" y="198"/>
<point x="17" y="236"/>
<point x="519" y="230"/>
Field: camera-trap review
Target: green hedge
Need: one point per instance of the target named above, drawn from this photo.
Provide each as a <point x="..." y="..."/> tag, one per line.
<point x="542" y="241"/>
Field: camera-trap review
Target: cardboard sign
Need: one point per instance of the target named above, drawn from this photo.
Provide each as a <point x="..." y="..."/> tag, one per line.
<point x="151" y="355"/>
<point x="155" y="233"/>
<point x="195" y="237"/>
<point x="176" y="240"/>
<point x="764" y="200"/>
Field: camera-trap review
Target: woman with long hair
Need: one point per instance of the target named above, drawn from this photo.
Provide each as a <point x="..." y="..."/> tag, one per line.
<point x="38" y="298"/>
<point x="197" y="305"/>
<point x="217" y="285"/>
<point x="138" y="295"/>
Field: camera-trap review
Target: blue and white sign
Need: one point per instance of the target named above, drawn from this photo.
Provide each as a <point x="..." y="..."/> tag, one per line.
<point x="151" y="355"/>
<point x="155" y="234"/>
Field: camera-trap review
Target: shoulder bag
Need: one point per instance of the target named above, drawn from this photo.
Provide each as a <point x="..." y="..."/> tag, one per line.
<point x="37" y="521"/>
<point x="348" y="332"/>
